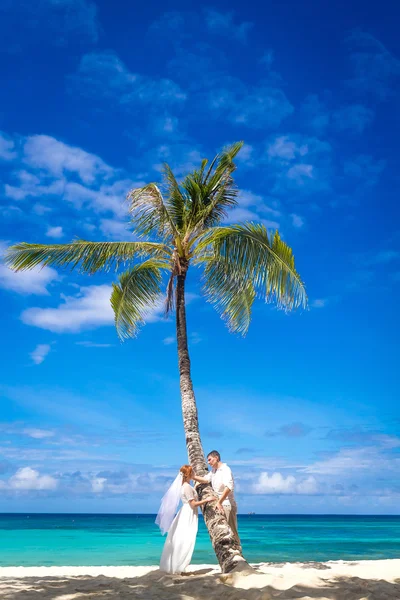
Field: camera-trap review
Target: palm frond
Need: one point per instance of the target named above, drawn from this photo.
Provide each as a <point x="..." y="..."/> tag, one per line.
<point x="149" y="214"/>
<point x="136" y="294"/>
<point x="255" y="256"/>
<point x="175" y="201"/>
<point x="89" y="256"/>
<point x="218" y="189"/>
<point x="232" y="301"/>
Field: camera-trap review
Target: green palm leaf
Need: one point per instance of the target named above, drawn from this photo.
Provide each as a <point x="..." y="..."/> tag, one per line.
<point x="89" y="256"/>
<point x="218" y="190"/>
<point x="138" y="291"/>
<point x="255" y="256"/>
<point x="232" y="300"/>
<point x="149" y="213"/>
<point x="176" y="203"/>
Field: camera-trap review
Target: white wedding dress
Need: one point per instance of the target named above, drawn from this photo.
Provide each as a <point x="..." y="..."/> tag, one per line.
<point x="181" y="538"/>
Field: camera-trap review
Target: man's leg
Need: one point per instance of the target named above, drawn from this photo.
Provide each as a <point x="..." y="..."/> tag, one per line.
<point x="231" y="517"/>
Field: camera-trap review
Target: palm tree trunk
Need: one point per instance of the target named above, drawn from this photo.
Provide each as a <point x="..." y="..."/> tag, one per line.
<point x="227" y="550"/>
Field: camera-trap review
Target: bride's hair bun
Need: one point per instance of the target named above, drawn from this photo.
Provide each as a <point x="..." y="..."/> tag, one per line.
<point x="186" y="471"/>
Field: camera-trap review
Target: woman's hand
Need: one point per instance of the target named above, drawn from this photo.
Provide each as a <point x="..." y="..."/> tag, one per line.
<point x="210" y="499"/>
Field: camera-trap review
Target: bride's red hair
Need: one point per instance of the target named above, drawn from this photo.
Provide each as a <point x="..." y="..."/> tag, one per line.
<point x="186" y="471"/>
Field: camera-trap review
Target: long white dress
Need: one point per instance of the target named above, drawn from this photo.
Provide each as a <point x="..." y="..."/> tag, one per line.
<point x="181" y="538"/>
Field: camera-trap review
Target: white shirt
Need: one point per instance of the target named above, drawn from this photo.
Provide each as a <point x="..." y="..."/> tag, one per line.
<point x="220" y="479"/>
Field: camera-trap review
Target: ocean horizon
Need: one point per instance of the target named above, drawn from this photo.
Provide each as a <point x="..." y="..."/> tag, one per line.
<point x="99" y="539"/>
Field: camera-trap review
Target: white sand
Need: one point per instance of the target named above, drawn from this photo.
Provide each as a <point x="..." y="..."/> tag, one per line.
<point x="334" y="580"/>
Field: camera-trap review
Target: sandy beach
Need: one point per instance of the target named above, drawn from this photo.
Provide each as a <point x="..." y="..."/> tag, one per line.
<point x="334" y="580"/>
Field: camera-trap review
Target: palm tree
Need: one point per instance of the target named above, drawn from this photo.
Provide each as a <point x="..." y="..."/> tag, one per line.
<point x="175" y="230"/>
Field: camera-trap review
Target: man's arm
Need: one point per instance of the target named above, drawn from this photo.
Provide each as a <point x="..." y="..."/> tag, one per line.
<point x="205" y="479"/>
<point x="200" y="479"/>
<point x="229" y="485"/>
<point x="225" y="494"/>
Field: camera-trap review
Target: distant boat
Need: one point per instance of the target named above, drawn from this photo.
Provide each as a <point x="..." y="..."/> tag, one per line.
<point x="251" y="513"/>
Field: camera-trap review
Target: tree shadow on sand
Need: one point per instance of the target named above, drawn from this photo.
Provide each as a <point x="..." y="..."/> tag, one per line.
<point x="196" y="586"/>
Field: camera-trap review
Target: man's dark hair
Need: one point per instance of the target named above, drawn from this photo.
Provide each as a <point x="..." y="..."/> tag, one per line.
<point x="215" y="454"/>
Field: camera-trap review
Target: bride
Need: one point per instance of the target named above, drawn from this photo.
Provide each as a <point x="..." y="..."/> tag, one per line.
<point x="182" y="530"/>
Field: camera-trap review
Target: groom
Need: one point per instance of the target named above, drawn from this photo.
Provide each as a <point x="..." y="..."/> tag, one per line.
<point x="221" y="480"/>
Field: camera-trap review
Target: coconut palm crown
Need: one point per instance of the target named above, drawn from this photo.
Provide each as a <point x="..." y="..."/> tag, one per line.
<point x="182" y="225"/>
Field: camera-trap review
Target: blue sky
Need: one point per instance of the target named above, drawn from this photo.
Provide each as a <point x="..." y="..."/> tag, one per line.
<point x="95" y="97"/>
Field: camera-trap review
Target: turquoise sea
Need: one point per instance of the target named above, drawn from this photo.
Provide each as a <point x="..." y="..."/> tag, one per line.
<point x="49" y="539"/>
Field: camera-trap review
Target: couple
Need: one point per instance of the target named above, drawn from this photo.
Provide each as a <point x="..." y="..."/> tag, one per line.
<point x="182" y="530"/>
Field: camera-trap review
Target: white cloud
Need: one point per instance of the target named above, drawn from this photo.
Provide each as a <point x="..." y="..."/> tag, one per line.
<point x="376" y="459"/>
<point x="45" y="152"/>
<point x="246" y="155"/>
<point x="300" y="173"/>
<point x="6" y="147"/>
<point x="253" y="207"/>
<point x="276" y="483"/>
<point x="98" y="484"/>
<point x="300" y="162"/>
<point x="223" y="24"/>
<point x="108" y="197"/>
<point x="38" y="434"/>
<point x="40" y="209"/>
<point x="376" y="69"/>
<point x="286" y="148"/>
<point x="91" y="308"/>
<point x="297" y="221"/>
<point x="169" y="340"/>
<point x="103" y="75"/>
<point x="55" y="170"/>
<point x="114" y="229"/>
<point x="319" y="303"/>
<point x="35" y="281"/>
<point x="55" y="232"/>
<point x="40" y="353"/>
<point x="261" y="106"/>
<point x="29" y="479"/>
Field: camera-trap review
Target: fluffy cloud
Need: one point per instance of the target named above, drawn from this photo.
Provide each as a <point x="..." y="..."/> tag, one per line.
<point x="35" y="281"/>
<point x="6" y="147"/>
<point x="376" y="459"/>
<point x="28" y="479"/>
<point x="319" y="303"/>
<point x="38" y="434"/>
<point x="297" y="221"/>
<point x="264" y="105"/>
<point x="91" y="308"/>
<point x="349" y="119"/>
<point x="223" y="24"/>
<point x="104" y="76"/>
<point x="276" y="483"/>
<point x="254" y="207"/>
<point x="376" y="69"/>
<point x="299" y="163"/>
<point x="55" y="232"/>
<point x="286" y="148"/>
<point x="51" y="170"/>
<point x="40" y="353"/>
<point x="57" y="158"/>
